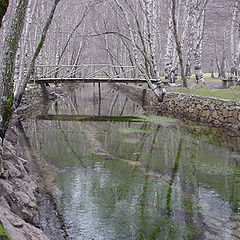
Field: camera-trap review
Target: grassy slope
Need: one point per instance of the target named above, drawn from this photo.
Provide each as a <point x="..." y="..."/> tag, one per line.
<point x="231" y="93"/>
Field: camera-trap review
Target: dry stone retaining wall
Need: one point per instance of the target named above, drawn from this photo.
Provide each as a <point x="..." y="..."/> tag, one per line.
<point x="215" y="112"/>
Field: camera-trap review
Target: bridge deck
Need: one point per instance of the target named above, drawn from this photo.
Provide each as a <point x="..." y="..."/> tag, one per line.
<point x="91" y="80"/>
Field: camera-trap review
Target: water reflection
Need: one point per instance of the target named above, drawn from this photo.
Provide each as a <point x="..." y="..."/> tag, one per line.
<point x="135" y="179"/>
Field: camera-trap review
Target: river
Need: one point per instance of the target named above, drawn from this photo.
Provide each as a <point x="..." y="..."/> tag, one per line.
<point x="122" y="174"/>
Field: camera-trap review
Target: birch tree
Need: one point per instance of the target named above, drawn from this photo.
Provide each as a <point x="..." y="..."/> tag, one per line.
<point x="3" y="9"/>
<point x="143" y="39"/>
<point x="169" y="52"/>
<point x="235" y="43"/>
<point x="23" y="52"/>
<point x="197" y="19"/>
<point x="182" y="22"/>
<point x="19" y="94"/>
<point x="7" y="68"/>
<point x="178" y="43"/>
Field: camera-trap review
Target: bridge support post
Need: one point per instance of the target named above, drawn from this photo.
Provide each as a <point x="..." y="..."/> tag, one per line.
<point x="99" y="91"/>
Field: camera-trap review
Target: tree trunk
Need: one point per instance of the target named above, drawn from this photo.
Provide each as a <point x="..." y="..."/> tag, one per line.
<point x="169" y="51"/>
<point x="19" y="94"/>
<point x="7" y="69"/>
<point x="151" y="18"/>
<point x="237" y="64"/>
<point x="212" y="69"/>
<point x="3" y="9"/>
<point x="223" y="66"/>
<point x="197" y="31"/>
<point x="178" y="44"/>
<point x="189" y="59"/>
<point x="23" y="53"/>
<point x="233" y="71"/>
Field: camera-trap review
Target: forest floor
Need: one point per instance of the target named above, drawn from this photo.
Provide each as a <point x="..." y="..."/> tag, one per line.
<point x="213" y="88"/>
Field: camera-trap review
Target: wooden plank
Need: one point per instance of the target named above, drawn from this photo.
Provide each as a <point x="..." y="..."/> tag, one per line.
<point x="92" y="80"/>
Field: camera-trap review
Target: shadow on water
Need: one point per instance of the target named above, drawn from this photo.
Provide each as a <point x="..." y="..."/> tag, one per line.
<point x="125" y="175"/>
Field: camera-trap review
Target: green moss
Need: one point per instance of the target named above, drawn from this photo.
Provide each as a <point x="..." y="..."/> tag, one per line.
<point x="9" y="108"/>
<point x="3" y="233"/>
<point x="6" y="113"/>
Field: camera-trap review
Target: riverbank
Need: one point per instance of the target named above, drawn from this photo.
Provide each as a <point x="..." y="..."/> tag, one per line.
<point x="222" y="115"/>
<point x="21" y="185"/>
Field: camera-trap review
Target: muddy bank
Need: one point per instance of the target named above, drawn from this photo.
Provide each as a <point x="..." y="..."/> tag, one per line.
<point x="22" y="186"/>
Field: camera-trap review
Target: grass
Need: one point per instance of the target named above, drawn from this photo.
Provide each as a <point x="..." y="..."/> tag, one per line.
<point x="232" y="93"/>
<point x="3" y="233"/>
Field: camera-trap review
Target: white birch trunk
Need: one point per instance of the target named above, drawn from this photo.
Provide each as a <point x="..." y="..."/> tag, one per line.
<point x="23" y="55"/>
<point x="171" y="56"/>
<point x="197" y="31"/>
<point x="169" y="50"/>
<point x="7" y="67"/>
<point x="237" y="63"/>
<point x="158" y="90"/>
<point x="234" y="53"/>
<point x="19" y="94"/>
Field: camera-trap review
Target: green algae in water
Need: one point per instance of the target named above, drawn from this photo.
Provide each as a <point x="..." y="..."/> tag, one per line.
<point x="109" y="198"/>
<point x="131" y="130"/>
<point x="3" y="233"/>
<point x="91" y="194"/>
<point x="166" y="121"/>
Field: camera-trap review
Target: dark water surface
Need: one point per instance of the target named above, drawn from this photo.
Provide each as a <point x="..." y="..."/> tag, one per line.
<point x="124" y="175"/>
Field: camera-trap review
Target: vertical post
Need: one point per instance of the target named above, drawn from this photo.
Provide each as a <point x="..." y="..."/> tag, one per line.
<point x="99" y="91"/>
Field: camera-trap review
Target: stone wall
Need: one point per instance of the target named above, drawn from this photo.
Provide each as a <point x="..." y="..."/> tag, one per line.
<point x="215" y="112"/>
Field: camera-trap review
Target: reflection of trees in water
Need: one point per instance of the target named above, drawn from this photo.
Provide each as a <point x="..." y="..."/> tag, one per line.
<point x="180" y="192"/>
<point x="86" y="101"/>
<point x="53" y="221"/>
<point x="144" y="197"/>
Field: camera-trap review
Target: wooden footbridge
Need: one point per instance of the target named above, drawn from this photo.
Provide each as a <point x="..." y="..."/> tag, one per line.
<point x="87" y="73"/>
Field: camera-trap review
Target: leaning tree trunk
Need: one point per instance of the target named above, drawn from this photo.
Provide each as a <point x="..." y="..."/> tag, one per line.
<point x="19" y="94"/>
<point x="23" y="53"/>
<point x="7" y="68"/>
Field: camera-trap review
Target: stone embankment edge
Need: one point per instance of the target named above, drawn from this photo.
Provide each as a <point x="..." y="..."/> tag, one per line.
<point x="219" y="113"/>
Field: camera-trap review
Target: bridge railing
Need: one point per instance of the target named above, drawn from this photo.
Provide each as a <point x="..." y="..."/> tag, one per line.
<point x="84" y="71"/>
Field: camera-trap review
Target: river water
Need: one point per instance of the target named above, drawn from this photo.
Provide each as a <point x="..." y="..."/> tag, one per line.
<point x="122" y="174"/>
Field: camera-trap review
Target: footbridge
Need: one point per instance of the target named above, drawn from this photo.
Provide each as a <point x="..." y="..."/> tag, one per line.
<point x="87" y="73"/>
